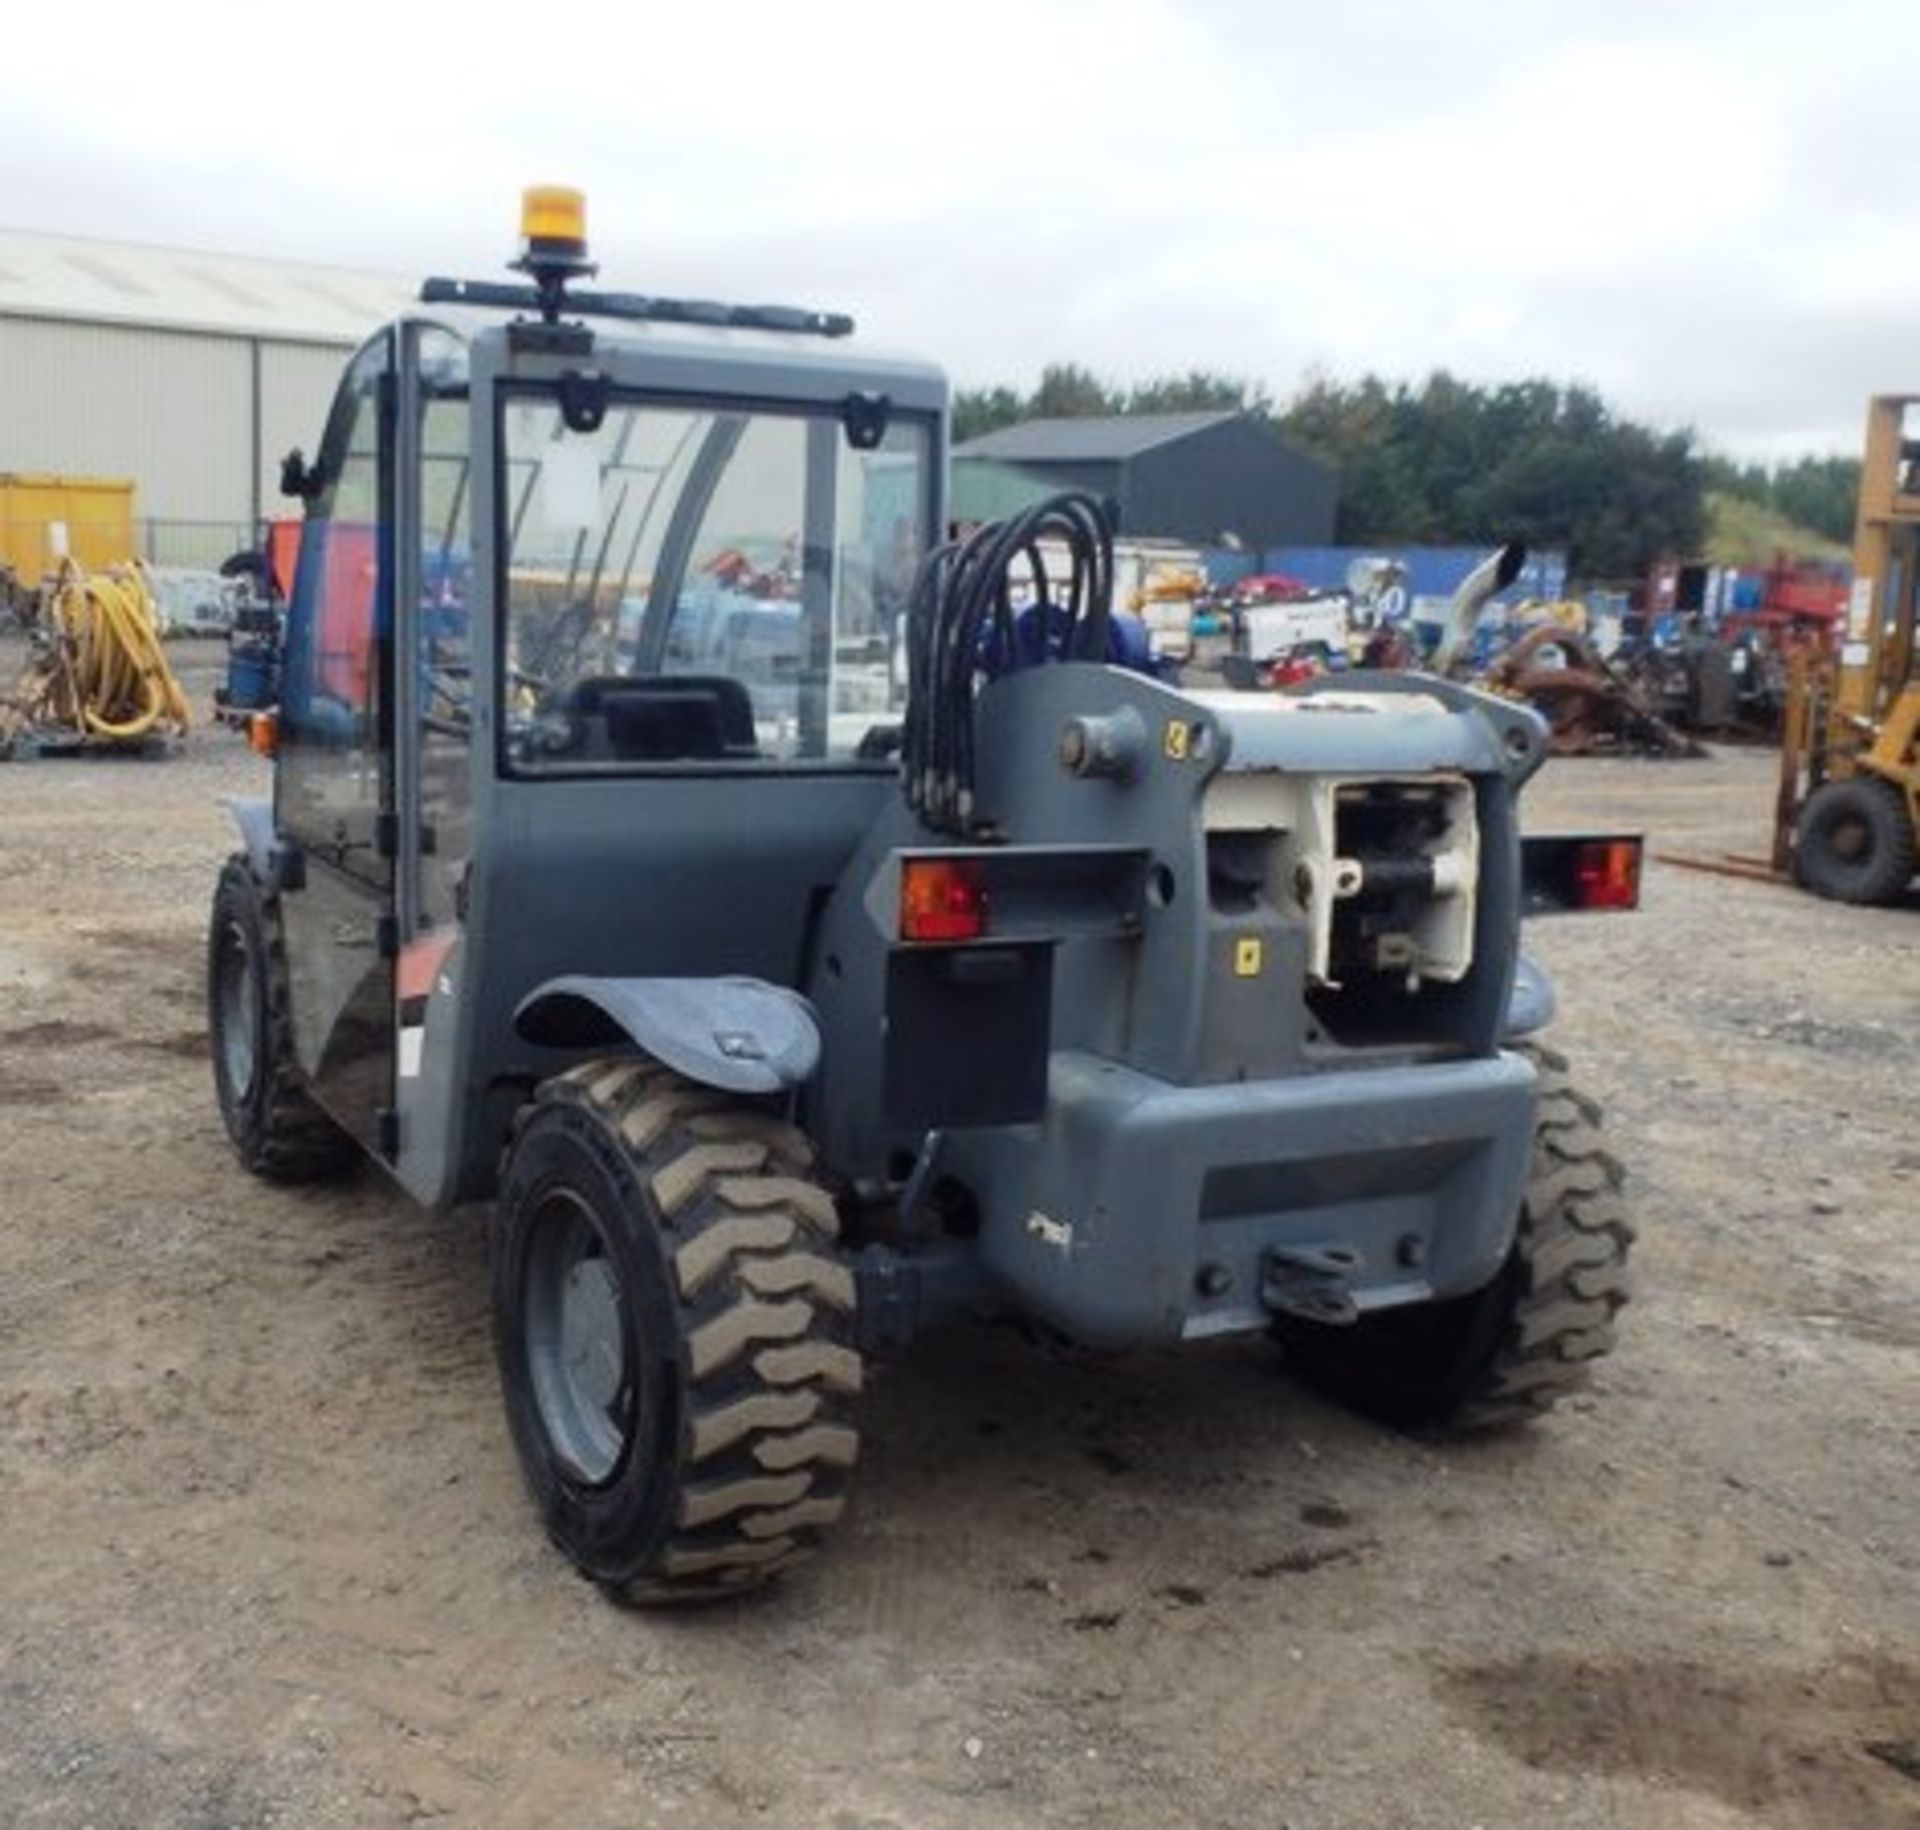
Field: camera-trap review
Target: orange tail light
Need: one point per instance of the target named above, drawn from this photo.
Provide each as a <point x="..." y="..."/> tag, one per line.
<point x="1606" y="874"/>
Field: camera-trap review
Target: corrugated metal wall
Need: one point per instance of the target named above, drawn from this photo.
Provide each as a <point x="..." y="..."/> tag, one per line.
<point x="1232" y="477"/>
<point x="169" y="410"/>
<point x="984" y="490"/>
<point x="297" y="382"/>
<point x="172" y="410"/>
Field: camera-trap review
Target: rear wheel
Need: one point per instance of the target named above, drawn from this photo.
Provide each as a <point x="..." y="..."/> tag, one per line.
<point x="1855" y="841"/>
<point x="277" y="1129"/>
<point x="1505" y="1354"/>
<point x="675" y="1331"/>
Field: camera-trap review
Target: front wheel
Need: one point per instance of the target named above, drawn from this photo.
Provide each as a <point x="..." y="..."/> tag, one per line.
<point x="1855" y="841"/>
<point x="278" y="1130"/>
<point x="1507" y="1353"/>
<point x="675" y="1332"/>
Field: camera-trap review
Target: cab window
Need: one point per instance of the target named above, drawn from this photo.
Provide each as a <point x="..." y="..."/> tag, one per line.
<point x="704" y="586"/>
<point x="331" y="769"/>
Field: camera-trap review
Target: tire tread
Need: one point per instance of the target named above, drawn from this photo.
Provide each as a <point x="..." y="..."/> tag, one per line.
<point x="767" y="1363"/>
<point x="1573" y="1277"/>
<point x="293" y="1140"/>
<point x="1506" y="1354"/>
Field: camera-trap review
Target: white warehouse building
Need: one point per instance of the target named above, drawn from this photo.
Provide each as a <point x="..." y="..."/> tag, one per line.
<point x="190" y="373"/>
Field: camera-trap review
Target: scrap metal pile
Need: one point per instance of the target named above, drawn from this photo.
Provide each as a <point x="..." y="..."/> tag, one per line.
<point x="97" y="676"/>
<point x="1588" y="702"/>
<point x="1541" y="654"/>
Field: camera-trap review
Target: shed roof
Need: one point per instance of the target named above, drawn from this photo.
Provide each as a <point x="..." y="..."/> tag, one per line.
<point x="1122" y="435"/>
<point x="109" y="282"/>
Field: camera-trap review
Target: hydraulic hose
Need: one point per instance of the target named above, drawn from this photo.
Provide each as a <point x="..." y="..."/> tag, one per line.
<point x="963" y="626"/>
<point x="104" y="673"/>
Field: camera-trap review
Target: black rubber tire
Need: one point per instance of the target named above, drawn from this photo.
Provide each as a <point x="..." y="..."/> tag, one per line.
<point x="737" y="1368"/>
<point x="1854" y="841"/>
<point x="278" y="1131"/>
<point x="1506" y="1354"/>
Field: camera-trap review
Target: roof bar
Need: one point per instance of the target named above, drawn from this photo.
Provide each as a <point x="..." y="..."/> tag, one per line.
<point x="504" y="296"/>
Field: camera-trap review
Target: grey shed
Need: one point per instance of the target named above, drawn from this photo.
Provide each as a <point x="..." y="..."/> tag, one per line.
<point x="1213" y="479"/>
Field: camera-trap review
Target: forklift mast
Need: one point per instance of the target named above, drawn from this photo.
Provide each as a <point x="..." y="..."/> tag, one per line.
<point x="1876" y="660"/>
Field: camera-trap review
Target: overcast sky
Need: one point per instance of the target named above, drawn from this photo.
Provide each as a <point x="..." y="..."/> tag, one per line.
<point x="1707" y="210"/>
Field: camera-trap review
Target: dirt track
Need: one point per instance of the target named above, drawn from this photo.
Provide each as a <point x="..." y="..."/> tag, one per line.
<point x="267" y="1558"/>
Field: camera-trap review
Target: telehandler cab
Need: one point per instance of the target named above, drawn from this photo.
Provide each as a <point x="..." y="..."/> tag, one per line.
<point x="805" y="931"/>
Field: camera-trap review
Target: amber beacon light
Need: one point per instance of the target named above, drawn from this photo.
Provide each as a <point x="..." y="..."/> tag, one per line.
<point x="553" y="223"/>
<point x="553" y="242"/>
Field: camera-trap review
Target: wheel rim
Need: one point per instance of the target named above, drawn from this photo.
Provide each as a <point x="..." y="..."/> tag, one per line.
<point x="1850" y="839"/>
<point x="576" y="1340"/>
<point x="239" y="1010"/>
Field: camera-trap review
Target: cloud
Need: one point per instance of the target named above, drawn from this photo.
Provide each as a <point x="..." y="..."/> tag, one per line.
<point x="1704" y="211"/>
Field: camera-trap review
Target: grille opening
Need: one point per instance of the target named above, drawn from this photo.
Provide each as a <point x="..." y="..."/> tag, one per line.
<point x="1380" y="986"/>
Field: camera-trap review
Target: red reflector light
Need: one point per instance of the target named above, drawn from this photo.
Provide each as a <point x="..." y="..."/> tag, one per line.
<point x="1606" y="874"/>
<point x="943" y="899"/>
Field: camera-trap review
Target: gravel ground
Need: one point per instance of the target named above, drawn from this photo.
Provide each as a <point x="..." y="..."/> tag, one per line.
<point x="268" y="1560"/>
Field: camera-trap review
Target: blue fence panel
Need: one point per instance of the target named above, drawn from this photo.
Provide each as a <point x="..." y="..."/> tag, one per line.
<point x="1432" y="571"/>
<point x="1226" y="568"/>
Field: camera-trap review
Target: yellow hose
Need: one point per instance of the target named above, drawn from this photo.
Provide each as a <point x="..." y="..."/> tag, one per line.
<point x="115" y="681"/>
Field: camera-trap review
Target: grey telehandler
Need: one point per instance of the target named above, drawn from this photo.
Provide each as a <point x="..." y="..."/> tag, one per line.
<point x="805" y="928"/>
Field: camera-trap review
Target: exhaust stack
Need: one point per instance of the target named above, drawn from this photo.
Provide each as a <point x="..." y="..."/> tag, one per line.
<point x="1494" y="573"/>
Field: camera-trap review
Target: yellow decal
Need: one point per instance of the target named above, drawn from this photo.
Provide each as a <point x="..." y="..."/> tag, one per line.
<point x="1176" y="740"/>
<point x="1246" y="956"/>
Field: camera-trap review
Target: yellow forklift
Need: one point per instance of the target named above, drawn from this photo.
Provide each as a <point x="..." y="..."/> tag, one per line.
<point x="1849" y="806"/>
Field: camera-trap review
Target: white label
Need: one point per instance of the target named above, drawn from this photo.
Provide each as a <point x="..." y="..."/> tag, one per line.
<point x="413" y="1046"/>
<point x="1860" y="609"/>
<point x="1855" y="654"/>
<point x="57" y="539"/>
<point x="1049" y="1231"/>
<point x="570" y="485"/>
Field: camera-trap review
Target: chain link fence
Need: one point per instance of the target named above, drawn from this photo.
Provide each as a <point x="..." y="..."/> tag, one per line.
<point x="200" y="545"/>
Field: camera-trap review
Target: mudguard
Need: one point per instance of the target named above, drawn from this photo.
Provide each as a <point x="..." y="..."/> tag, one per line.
<point x="1531" y="1003"/>
<point x="740" y="1035"/>
<point x="254" y="816"/>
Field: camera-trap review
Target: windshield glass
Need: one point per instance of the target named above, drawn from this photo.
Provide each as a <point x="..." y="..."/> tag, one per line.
<point x="692" y="586"/>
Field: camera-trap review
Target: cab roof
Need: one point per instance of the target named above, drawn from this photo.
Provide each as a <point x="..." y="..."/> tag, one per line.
<point x="797" y="355"/>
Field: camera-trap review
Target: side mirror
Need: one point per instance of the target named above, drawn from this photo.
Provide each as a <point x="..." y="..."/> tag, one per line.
<point x="299" y="478"/>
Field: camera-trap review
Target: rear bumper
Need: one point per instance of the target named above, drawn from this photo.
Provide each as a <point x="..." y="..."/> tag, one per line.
<point x="1138" y="1211"/>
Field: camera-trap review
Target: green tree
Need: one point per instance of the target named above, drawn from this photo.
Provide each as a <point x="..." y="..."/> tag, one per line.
<point x="1820" y="493"/>
<point x="1197" y="391"/>
<point x="1450" y="461"/>
<point x="1067" y="391"/>
<point x="1813" y="492"/>
<point x="978" y="411"/>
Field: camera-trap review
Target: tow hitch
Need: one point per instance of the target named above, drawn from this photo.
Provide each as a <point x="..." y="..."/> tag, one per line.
<point x="1314" y="1282"/>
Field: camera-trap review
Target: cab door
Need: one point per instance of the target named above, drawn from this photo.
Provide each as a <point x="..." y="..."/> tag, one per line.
<point x="334" y="783"/>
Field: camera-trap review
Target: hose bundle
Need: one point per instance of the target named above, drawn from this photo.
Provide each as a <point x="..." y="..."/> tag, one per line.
<point x="963" y="625"/>
<point x="100" y="670"/>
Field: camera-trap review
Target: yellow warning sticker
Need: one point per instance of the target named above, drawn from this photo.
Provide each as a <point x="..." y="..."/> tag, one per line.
<point x="1246" y="956"/>
<point x="1176" y="740"/>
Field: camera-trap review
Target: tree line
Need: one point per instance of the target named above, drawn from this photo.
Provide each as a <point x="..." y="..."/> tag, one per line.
<point x="1812" y="492"/>
<point x="1446" y="461"/>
